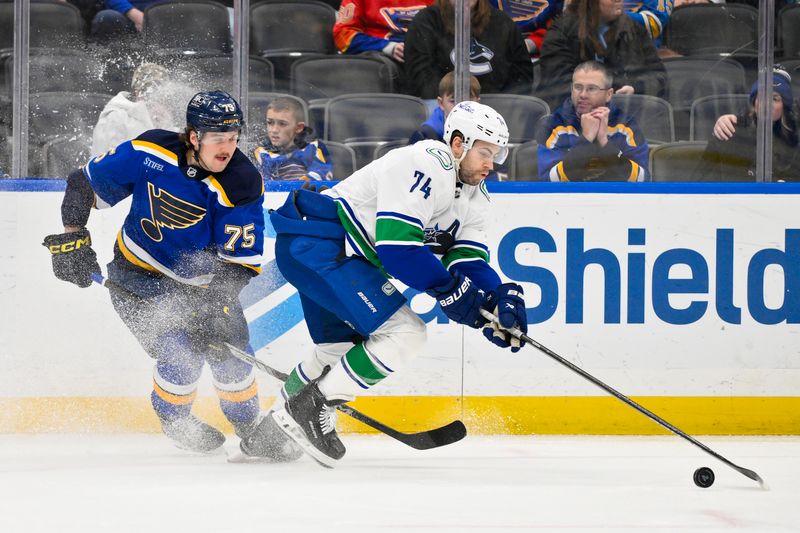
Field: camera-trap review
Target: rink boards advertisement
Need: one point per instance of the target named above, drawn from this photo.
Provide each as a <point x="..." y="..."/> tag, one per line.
<point x="684" y="297"/>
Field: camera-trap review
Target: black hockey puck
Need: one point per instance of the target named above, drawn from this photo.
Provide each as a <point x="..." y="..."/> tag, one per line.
<point x="704" y="477"/>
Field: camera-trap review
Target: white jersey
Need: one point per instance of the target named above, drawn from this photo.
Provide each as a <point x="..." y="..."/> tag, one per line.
<point x="411" y="197"/>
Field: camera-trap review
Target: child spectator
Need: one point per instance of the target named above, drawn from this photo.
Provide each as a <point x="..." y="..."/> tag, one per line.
<point x="433" y="128"/>
<point x="288" y="154"/>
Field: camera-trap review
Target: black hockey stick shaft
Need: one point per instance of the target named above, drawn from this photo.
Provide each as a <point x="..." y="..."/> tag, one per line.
<point x="649" y="414"/>
<point x="424" y="440"/>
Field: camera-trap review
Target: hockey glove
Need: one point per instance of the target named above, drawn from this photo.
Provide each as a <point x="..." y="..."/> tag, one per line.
<point x="507" y="304"/>
<point x="461" y="300"/>
<point x="220" y="316"/>
<point x="73" y="258"/>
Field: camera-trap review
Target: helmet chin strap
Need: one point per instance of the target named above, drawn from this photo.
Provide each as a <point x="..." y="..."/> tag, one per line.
<point x="458" y="160"/>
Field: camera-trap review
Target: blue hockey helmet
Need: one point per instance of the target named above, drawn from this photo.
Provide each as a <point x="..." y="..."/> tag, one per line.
<point x="214" y="111"/>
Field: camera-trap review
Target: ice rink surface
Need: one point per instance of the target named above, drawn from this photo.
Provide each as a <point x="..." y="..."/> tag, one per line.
<point x="140" y="483"/>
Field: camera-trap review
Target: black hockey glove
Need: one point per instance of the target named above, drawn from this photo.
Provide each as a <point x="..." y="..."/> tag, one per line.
<point x="461" y="300"/>
<point x="220" y="318"/>
<point x="508" y="305"/>
<point x="73" y="258"/>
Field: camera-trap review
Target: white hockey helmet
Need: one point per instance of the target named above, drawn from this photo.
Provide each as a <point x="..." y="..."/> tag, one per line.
<point x="477" y="122"/>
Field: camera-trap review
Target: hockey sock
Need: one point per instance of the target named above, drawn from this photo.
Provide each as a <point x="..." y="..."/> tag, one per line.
<point x="358" y="371"/>
<point x="174" y="390"/>
<point x="237" y="389"/>
<point x="390" y="348"/>
<point x="325" y="354"/>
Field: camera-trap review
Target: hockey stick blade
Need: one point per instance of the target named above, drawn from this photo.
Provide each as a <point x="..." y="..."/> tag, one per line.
<point x="516" y="332"/>
<point x="423" y="440"/>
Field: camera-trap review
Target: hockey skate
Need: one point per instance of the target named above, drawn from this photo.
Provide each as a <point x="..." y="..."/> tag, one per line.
<point x="309" y="419"/>
<point x="192" y="434"/>
<point x="264" y="439"/>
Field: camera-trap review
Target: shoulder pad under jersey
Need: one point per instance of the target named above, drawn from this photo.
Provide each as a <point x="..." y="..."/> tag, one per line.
<point x="241" y="180"/>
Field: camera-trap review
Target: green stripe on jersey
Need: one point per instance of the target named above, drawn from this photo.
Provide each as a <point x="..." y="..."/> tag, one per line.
<point x="392" y="229"/>
<point x="361" y="240"/>
<point x="360" y="363"/>
<point x="462" y="253"/>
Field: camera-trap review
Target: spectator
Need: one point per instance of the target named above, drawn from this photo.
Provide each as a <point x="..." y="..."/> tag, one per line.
<point x="433" y="128"/>
<point x="375" y="26"/>
<point x="589" y="138"/>
<point x="288" y="154"/>
<point x="498" y="56"/>
<point x="597" y="30"/>
<point x="532" y="18"/>
<point x="731" y="151"/>
<point x="129" y="114"/>
<point x="119" y="18"/>
<point x="652" y="15"/>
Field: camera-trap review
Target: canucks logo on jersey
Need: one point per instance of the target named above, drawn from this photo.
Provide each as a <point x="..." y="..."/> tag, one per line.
<point x="439" y="241"/>
<point x="168" y="211"/>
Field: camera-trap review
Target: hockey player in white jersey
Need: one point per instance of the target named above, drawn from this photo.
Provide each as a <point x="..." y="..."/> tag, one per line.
<point x="416" y="215"/>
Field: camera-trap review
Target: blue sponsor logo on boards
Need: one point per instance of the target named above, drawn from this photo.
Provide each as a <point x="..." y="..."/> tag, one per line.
<point x="633" y="284"/>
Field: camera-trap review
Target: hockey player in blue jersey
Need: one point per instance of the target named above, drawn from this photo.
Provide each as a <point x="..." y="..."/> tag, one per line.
<point x="417" y="215"/>
<point x="193" y="238"/>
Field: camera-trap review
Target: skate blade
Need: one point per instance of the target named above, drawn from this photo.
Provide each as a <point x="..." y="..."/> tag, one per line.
<point x="293" y="430"/>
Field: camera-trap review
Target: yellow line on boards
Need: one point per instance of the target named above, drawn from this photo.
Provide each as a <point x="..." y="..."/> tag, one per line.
<point x="490" y="415"/>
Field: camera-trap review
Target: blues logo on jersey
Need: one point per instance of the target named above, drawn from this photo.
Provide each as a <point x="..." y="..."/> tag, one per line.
<point x="170" y="212"/>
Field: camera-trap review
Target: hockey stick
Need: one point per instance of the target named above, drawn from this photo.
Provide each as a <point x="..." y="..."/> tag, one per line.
<point x="649" y="414"/>
<point x="424" y="440"/>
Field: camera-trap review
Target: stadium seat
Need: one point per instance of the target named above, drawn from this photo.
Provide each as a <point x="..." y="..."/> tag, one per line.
<point x="383" y="149"/>
<point x="187" y="25"/>
<point x="675" y="162"/>
<point x="215" y="70"/>
<point x="61" y="70"/>
<point x="706" y="110"/>
<point x="712" y="28"/>
<point x="321" y="77"/>
<point x="520" y="112"/>
<point x="62" y="155"/>
<point x="690" y="78"/>
<point x="365" y="121"/>
<point x="343" y="157"/>
<point x="69" y="115"/>
<point x="524" y="162"/>
<point x="788" y="30"/>
<point x="285" y="32"/>
<point x="52" y="23"/>
<point x="653" y="115"/>
<point x="292" y="26"/>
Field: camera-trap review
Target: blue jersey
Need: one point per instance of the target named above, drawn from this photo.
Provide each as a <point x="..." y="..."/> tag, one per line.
<point x="183" y="220"/>
<point x="567" y="155"/>
<point x="310" y="162"/>
<point x="652" y="14"/>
